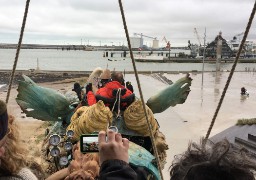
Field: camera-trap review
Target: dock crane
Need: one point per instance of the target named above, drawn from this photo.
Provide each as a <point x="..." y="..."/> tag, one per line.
<point x="197" y="36"/>
<point x="168" y="45"/>
<point x="237" y="35"/>
<point x="141" y="38"/>
<point x="142" y="35"/>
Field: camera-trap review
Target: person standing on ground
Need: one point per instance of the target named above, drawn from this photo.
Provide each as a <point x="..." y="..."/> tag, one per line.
<point x="243" y="91"/>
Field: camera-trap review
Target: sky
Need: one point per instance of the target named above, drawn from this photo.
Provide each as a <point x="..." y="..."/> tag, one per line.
<point x="99" y="22"/>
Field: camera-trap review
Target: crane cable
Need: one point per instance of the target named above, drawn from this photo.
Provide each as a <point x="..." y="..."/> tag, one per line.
<point x="140" y="91"/>
<point x="17" y="51"/>
<point x="231" y="72"/>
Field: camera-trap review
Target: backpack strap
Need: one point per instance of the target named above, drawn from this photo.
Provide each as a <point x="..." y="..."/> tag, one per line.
<point x="113" y="102"/>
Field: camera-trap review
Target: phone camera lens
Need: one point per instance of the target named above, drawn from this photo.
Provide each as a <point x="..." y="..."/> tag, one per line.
<point x="113" y="128"/>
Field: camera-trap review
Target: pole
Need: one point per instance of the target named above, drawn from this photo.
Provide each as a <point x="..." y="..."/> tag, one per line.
<point x="37" y="68"/>
<point x="169" y="53"/>
<point x="218" y="52"/>
<point x="203" y="59"/>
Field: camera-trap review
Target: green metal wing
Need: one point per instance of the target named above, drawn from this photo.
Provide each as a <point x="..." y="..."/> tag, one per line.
<point x="42" y="103"/>
<point x="140" y="157"/>
<point x="172" y="95"/>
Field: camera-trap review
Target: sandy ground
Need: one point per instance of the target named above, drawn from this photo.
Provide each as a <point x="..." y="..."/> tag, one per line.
<point x="181" y="123"/>
<point x="32" y="130"/>
<point x="190" y="121"/>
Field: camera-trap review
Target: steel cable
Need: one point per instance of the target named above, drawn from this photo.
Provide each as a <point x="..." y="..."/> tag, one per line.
<point x="139" y="87"/>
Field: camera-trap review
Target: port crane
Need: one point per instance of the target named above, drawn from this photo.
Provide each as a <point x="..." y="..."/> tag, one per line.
<point x="168" y="45"/>
<point x="141" y="38"/>
<point x="142" y="35"/>
<point x="197" y="36"/>
<point x="237" y="35"/>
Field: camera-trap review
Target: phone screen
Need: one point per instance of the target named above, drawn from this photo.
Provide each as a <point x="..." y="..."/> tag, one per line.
<point x="89" y="143"/>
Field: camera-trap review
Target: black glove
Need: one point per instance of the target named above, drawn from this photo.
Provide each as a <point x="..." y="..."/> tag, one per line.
<point x="129" y="86"/>
<point x="88" y="87"/>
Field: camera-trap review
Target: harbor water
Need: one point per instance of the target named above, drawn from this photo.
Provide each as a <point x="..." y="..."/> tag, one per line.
<point x="58" y="60"/>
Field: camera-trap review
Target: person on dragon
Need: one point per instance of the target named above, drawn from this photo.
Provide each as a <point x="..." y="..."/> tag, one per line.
<point x="111" y="93"/>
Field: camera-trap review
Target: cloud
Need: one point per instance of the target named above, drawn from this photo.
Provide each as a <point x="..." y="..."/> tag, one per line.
<point x="50" y="21"/>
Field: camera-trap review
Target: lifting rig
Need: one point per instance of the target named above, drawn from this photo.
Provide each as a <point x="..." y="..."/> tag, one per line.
<point x="141" y="37"/>
<point x="197" y="36"/>
<point x="168" y="45"/>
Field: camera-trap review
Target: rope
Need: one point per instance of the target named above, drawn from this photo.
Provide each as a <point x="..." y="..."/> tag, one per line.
<point x="139" y="87"/>
<point x="118" y="99"/>
<point x="231" y="72"/>
<point x="17" y="51"/>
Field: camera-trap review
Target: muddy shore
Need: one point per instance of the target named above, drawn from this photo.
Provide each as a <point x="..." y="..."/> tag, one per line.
<point x="40" y="77"/>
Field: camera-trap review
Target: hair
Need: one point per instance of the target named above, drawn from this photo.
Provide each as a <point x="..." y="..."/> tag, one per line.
<point x="14" y="158"/>
<point x="117" y="76"/>
<point x="220" y="161"/>
<point x="3" y="119"/>
<point x="85" y="166"/>
<point x="3" y="124"/>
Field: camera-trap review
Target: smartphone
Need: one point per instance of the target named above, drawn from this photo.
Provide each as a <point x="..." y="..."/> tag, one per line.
<point x="89" y="143"/>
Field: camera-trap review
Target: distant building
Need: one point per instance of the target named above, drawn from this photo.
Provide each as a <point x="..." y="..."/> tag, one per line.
<point x="211" y="48"/>
<point x="136" y="42"/>
<point x="155" y="44"/>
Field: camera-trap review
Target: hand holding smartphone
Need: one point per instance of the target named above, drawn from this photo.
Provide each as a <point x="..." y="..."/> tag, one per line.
<point x="89" y="142"/>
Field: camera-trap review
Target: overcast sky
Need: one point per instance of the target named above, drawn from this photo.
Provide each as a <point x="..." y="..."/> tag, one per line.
<point x="99" y="21"/>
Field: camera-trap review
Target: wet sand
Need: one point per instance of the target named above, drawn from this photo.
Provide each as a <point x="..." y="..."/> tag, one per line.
<point x="180" y="124"/>
<point x="190" y="121"/>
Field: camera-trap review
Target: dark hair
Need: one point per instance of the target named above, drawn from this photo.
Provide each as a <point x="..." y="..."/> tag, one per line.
<point x="220" y="161"/>
<point x="117" y="76"/>
<point x="3" y="124"/>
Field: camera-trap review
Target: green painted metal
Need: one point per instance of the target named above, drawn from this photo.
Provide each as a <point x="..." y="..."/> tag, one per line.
<point x="42" y="103"/>
<point x="170" y="96"/>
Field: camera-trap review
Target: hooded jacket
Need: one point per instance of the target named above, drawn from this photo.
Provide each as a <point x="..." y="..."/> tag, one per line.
<point x="107" y="92"/>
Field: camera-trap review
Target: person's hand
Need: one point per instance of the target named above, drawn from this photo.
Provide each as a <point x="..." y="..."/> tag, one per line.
<point x="88" y="87"/>
<point x="115" y="147"/>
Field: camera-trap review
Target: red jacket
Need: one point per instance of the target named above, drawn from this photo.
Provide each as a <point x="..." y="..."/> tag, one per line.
<point x="107" y="91"/>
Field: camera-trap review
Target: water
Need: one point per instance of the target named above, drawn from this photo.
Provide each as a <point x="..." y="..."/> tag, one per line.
<point x="2" y="85"/>
<point x="57" y="60"/>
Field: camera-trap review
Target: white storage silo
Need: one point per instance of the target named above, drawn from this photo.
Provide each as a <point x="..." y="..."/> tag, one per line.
<point x="155" y="44"/>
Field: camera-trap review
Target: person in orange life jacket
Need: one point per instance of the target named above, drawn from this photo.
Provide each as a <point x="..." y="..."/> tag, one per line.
<point x="106" y="92"/>
<point x="105" y="77"/>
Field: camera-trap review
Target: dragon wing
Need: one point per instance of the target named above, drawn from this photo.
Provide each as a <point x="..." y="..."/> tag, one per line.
<point x="42" y="103"/>
<point x="140" y="157"/>
<point x="172" y="95"/>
